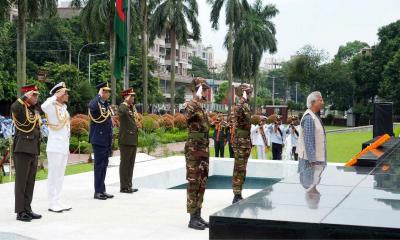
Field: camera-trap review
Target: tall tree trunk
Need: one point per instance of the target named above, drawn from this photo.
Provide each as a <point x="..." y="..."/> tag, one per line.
<point x="21" y="45"/>
<point x="112" y="54"/>
<point x="144" y="55"/>
<point x="255" y="95"/>
<point x="173" y="57"/>
<point x="230" y="65"/>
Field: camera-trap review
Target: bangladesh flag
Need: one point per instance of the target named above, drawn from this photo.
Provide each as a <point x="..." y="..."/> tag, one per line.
<point x="121" y="7"/>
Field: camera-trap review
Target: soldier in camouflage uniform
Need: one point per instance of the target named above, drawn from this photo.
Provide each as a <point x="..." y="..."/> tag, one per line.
<point x="197" y="153"/>
<point x="241" y="140"/>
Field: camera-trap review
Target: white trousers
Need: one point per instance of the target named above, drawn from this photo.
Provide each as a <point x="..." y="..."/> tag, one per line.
<point x="261" y="154"/>
<point x="56" y="170"/>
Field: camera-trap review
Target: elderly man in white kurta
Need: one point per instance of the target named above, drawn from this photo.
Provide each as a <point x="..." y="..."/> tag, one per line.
<point x="311" y="145"/>
<point x="57" y="144"/>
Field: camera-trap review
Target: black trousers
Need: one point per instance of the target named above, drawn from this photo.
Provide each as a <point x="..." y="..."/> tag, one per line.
<point x="231" y="154"/>
<point x="276" y="151"/>
<point x="219" y="148"/>
<point x="101" y="155"/>
<point x="128" y="157"/>
<point x="295" y="155"/>
<point x="25" y="174"/>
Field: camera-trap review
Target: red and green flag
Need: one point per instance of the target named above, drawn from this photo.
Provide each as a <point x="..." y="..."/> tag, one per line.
<point x="121" y="7"/>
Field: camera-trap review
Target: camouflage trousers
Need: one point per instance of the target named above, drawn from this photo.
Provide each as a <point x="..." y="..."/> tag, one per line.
<point x="241" y="150"/>
<point x="197" y="163"/>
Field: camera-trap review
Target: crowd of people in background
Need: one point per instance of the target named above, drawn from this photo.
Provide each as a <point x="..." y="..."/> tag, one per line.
<point x="268" y="134"/>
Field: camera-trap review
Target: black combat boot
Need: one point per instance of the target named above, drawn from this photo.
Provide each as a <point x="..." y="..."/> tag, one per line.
<point x="198" y="212"/>
<point x="195" y="222"/>
<point x="237" y="198"/>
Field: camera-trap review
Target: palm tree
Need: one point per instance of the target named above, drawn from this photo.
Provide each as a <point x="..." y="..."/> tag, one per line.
<point x="145" y="8"/>
<point x="97" y="19"/>
<point x="27" y="9"/>
<point x="170" y="18"/>
<point x="256" y="34"/>
<point x="234" y="10"/>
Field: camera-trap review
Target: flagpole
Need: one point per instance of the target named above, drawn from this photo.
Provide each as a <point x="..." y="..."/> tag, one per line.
<point x="128" y="45"/>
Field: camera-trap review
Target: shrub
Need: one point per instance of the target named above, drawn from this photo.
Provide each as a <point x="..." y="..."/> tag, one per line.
<point x="149" y="124"/>
<point x="85" y="147"/>
<point x="168" y="122"/>
<point x="148" y="142"/>
<point x="82" y="116"/>
<point x="255" y="119"/>
<point x="139" y="123"/>
<point x="180" y="121"/>
<point x="79" y="126"/>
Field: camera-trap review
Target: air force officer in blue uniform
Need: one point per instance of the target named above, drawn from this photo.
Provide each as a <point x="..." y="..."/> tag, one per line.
<point x="100" y="136"/>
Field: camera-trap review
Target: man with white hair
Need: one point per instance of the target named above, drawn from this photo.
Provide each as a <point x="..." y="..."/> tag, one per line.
<point x="311" y="145"/>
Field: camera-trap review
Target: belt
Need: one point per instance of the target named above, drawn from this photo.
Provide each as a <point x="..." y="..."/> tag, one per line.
<point x="198" y="135"/>
<point x="242" y="133"/>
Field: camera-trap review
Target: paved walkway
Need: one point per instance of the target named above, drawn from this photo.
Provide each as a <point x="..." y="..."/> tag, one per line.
<point x="147" y="214"/>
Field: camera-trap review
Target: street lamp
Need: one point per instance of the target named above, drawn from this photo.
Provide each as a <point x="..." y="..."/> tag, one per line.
<point x="80" y="50"/>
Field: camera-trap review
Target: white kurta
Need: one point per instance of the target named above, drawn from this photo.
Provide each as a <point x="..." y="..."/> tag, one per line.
<point x="57" y="149"/>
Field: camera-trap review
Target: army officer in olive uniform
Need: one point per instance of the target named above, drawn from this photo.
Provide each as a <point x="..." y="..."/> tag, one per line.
<point x="127" y="139"/>
<point x="26" y="150"/>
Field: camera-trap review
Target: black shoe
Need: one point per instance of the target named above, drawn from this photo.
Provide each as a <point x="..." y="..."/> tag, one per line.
<point x="135" y="189"/>
<point x="34" y="215"/>
<point x="198" y="213"/>
<point x="195" y="223"/>
<point x="237" y="198"/>
<point x="100" y="196"/>
<point x="108" y="195"/>
<point x="126" y="190"/>
<point x="24" y="216"/>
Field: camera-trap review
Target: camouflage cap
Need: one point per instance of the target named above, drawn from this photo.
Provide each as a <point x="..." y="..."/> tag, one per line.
<point x="197" y="82"/>
<point x="243" y="87"/>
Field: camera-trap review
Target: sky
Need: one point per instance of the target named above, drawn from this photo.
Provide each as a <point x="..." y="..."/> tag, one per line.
<point x="324" y="24"/>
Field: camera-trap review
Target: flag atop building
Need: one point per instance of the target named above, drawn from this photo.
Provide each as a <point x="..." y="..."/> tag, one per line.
<point x="120" y="28"/>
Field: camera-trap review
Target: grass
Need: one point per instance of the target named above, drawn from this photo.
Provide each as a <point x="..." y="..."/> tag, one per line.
<point x="70" y="170"/>
<point x="333" y="127"/>
<point x="341" y="146"/>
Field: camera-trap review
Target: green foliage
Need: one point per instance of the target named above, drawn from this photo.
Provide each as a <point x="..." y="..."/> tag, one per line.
<point x="346" y="52"/>
<point x="222" y="93"/>
<point x="149" y="124"/>
<point x="81" y="90"/>
<point x="180" y="94"/>
<point x="100" y="71"/>
<point x="148" y="142"/>
<point x="84" y="147"/>
<point x="199" y="68"/>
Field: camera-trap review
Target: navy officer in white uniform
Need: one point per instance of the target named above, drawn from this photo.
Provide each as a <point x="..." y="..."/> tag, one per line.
<point x="58" y="120"/>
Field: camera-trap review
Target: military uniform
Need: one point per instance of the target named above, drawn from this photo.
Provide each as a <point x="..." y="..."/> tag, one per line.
<point x="100" y="136"/>
<point x="197" y="155"/>
<point x="127" y="139"/>
<point x="58" y="121"/>
<point x="26" y="150"/>
<point x="241" y="141"/>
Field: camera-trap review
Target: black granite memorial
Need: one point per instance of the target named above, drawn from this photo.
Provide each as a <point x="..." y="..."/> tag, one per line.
<point x="349" y="202"/>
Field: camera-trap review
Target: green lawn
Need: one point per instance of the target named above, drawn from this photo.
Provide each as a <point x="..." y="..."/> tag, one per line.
<point x="71" y="169"/>
<point x="333" y="127"/>
<point x="341" y="146"/>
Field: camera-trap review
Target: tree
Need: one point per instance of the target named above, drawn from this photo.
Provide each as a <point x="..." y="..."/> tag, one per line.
<point x="303" y="68"/>
<point x="180" y="94"/>
<point x="170" y="17"/>
<point x="346" y="52"/>
<point x="97" y="18"/>
<point x="199" y="68"/>
<point x="255" y="35"/>
<point x="27" y="9"/>
<point x="82" y="92"/>
<point x="390" y="86"/>
<point x="145" y="8"/>
<point x="234" y="10"/>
